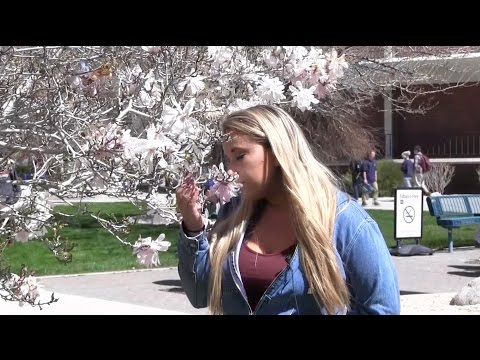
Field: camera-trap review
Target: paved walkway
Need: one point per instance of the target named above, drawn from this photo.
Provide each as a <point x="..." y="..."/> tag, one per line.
<point x="427" y="284"/>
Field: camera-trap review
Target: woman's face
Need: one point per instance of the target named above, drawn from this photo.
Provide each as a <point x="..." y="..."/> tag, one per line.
<point x="254" y="163"/>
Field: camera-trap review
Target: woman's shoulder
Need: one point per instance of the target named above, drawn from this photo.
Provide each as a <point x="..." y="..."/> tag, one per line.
<point x="351" y="221"/>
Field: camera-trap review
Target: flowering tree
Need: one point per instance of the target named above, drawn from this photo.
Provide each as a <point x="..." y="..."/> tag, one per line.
<point x="133" y="122"/>
<point x="107" y="120"/>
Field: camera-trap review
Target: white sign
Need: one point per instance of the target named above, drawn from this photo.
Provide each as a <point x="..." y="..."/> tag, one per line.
<point x="408" y="213"/>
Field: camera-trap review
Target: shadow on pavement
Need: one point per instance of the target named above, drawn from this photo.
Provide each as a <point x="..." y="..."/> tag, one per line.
<point x="402" y="292"/>
<point x="468" y="270"/>
<point x="174" y="285"/>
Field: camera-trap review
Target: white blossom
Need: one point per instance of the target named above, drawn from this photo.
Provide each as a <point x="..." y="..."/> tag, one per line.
<point x="178" y="121"/>
<point x="192" y="84"/>
<point x="303" y="97"/>
<point x="271" y="90"/>
<point x="336" y="64"/>
<point x="147" y="250"/>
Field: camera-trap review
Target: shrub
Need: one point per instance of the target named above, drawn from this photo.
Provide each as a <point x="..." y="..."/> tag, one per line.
<point x="346" y="181"/>
<point x="389" y="176"/>
<point x="439" y="177"/>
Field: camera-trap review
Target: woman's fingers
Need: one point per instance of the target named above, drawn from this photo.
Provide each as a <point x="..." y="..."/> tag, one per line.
<point x="188" y="196"/>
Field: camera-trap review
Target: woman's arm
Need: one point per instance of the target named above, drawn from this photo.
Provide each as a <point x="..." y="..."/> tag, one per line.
<point x="194" y="259"/>
<point x="371" y="274"/>
<point x="194" y="266"/>
<point x="193" y="262"/>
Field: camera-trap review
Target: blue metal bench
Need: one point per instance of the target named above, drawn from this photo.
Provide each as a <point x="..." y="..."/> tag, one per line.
<point x="454" y="211"/>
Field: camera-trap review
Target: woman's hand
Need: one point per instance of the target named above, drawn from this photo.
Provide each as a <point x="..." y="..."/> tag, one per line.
<point x="188" y="203"/>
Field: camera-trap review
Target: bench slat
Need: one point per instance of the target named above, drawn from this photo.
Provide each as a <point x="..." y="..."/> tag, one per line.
<point x="474" y="202"/>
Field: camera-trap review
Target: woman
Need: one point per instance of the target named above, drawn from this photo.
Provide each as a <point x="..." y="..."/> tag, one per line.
<point x="292" y="243"/>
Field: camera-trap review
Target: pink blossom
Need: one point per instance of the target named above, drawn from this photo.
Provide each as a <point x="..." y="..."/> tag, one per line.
<point x="223" y="191"/>
<point x="147" y="250"/>
<point x="225" y="186"/>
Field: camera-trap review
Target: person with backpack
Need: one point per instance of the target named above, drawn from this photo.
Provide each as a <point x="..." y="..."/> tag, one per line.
<point x="422" y="166"/>
<point x="408" y="169"/>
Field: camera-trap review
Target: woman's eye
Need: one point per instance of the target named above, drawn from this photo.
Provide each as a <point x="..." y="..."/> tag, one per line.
<point x="240" y="157"/>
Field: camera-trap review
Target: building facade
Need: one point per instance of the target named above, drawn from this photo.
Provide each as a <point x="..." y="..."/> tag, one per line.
<point x="448" y="133"/>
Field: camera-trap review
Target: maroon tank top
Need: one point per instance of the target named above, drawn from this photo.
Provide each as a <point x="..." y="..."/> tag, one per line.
<point x="259" y="270"/>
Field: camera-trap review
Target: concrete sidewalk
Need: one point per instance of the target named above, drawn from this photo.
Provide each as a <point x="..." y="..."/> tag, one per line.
<point x="388" y="203"/>
<point x="80" y="305"/>
<point x="154" y="290"/>
<point x="427" y="284"/>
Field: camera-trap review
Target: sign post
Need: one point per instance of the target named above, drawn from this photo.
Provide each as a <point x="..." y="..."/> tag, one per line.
<point x="408" y="222"/>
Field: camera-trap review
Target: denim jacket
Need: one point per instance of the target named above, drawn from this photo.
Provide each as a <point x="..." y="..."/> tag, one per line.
<point x="361" y="250"/>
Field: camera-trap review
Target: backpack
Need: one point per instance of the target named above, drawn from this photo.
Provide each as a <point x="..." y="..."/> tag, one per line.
<point x="425" y="163"/>
<point x="356" y="168"/>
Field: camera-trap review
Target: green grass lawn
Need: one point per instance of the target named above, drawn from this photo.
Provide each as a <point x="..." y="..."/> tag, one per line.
<point x="433" y="236"/>
<point x="97" y="250"/>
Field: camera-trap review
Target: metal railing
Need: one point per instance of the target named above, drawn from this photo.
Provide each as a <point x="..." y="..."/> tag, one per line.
<point x="454" y="146"/>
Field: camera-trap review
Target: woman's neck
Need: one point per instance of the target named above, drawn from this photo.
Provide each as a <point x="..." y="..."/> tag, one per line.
<point x="277" y="197"/>
<point x="277" y="203"/>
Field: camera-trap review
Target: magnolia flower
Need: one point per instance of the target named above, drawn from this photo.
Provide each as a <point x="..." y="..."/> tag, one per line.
<point x="25" y="288"/>
<point x="178" y="121"/>
<point x="156" y="143"/>
<point x="316" y="55"/>
<point x="29" y="288"/>
<point x="103" y="140"/>
<point x="271" y="89"/>
<point x="192" y="85"/>
<point x="337" y="64"/>
<point x="147" y="250"/>
<point x="303" y="98"/>
<point x="224" y="185"/>
<point x="151" y="92"/>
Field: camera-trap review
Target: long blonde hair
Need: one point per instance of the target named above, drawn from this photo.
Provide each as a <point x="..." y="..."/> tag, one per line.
<point x="313" y="216"/>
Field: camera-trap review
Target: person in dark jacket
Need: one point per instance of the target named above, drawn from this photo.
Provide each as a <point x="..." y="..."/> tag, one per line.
<point x="408" y="168"/>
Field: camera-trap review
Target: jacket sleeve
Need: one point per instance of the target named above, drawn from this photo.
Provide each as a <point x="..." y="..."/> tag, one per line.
<point x="194" y="261"/>
<point x="370" y="272"/>
<point x="194" y="267"/>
